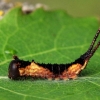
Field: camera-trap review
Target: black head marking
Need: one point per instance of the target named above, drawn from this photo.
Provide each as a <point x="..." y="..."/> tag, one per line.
<point x="13" y="70"/>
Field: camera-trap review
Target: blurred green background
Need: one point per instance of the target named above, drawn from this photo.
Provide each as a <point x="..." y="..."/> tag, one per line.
<point x="75" y="8"/>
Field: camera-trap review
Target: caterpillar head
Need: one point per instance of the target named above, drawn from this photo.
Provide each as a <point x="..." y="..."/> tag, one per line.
<point x="14" y="66"/>
<point x="13" y="72"/>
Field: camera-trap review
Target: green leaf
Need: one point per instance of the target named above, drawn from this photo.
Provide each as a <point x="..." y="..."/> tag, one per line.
<point x="49" y="37"/>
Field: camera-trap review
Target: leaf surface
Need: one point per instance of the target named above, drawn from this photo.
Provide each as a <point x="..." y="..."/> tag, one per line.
<point x="48" y="37"/>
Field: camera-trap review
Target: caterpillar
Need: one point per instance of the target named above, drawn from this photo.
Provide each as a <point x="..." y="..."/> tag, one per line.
<point x="19" y="68"/>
